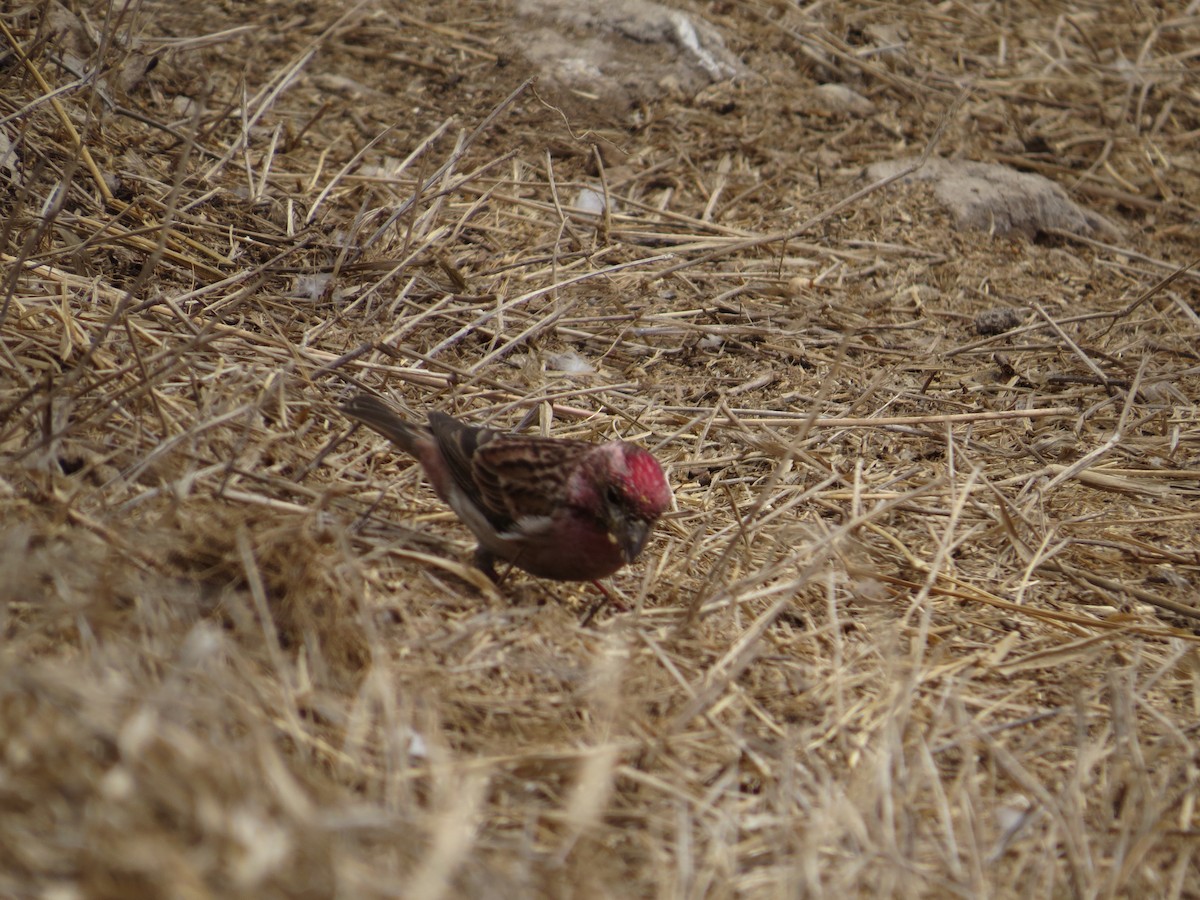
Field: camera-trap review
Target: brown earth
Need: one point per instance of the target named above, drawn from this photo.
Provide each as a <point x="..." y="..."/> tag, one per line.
<point x="923" y="621"/>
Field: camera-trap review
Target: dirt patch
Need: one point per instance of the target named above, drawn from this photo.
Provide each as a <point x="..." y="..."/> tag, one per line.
<point x="923" y="619"/>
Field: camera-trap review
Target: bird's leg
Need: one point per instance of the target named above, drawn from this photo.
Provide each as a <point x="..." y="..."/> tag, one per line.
<point x="486" y="563"/>
<point x="605" y="597"/>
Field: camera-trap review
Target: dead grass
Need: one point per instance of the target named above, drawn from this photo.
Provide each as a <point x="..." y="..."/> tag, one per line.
<point x="922" y="624"/>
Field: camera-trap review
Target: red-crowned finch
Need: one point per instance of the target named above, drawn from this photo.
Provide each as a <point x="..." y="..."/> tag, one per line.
<point x="561" y="509"/>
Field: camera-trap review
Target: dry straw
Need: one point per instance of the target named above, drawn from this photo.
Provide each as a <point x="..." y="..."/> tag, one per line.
<point x="922" y="622"/>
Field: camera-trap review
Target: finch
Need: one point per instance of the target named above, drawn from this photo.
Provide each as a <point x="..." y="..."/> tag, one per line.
<point x="562" y="509"/>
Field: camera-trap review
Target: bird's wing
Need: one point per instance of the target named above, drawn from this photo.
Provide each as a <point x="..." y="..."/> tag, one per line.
<point x="525" y="478"/>
<point x="458" y="443"/>
<point x="517" y="478"/>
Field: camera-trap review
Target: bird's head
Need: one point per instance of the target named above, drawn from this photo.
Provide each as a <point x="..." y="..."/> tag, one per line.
<point x="624" y="488"/>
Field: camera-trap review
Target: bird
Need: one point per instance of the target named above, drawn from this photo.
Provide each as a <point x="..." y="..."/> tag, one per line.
<point x="557" y="508"/>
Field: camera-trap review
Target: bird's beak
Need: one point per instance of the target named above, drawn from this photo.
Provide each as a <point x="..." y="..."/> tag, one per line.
<point x="633" y="535"/>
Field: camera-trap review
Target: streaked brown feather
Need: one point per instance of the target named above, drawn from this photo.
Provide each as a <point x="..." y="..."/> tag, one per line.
<point x="458" y="443"/>
<point x="508" y="477"/>
<point x="520" y="477"/>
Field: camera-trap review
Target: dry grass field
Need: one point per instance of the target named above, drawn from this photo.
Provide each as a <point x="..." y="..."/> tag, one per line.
<point x="923" y="621"/>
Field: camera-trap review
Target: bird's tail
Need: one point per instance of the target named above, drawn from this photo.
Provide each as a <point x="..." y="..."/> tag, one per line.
<point x="377" y="415"/>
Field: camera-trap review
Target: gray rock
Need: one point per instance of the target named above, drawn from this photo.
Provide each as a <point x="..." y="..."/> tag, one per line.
<point x="621" y="51"/>
<point x="1000" y="200"/>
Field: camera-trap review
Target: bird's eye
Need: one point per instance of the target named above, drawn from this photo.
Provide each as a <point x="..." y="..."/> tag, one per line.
<point x="613" y="495"/>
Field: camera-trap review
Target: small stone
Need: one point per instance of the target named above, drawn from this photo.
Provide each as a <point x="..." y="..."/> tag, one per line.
<point x="997" y="321"/>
